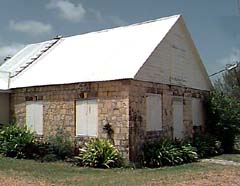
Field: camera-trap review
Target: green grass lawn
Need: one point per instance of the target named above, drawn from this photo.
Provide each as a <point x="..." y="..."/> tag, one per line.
<point x="29" y="172"/>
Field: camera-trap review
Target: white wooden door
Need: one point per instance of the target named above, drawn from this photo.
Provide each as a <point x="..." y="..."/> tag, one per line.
<point x="86" y="118"/>
<point x="178" y="118"/>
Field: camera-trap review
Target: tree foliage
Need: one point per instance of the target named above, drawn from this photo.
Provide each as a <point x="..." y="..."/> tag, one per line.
<point x="223" y="118"/>
<point x="229" y="83"/>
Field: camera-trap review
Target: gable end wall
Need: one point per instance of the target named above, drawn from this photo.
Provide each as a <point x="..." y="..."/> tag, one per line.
<point x="137" y="113"/>
<point x="175" y="61"/>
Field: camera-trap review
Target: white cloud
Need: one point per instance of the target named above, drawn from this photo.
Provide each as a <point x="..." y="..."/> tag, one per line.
<point x="117" y="21"/>
<point x="30" y="27"/>
<point x="220" y="64"/>
<point x="67" y="10"/>
<point x="9" y="50"/>
<point x="78" y="13"/>
<point x="114" y="20"/>
<point x="232" y="58"/>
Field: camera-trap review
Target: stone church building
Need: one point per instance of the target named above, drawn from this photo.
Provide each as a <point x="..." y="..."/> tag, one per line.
<point x="145" y="81"/>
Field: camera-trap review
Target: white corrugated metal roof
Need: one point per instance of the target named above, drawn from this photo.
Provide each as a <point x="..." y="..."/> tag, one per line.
<point x="106" y="55"/>
<point x="26" y="57"/>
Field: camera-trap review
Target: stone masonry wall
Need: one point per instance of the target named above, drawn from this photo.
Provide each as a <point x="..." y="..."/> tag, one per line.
<point x="137" y="111"/>
<point x="59" y="108"/>
<point x="122" y="104"/>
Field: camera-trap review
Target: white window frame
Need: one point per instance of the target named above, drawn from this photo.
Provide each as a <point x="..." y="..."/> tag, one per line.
<point x="86" y="121"/>
<point x="34" y="116"/>
<point x="154" y="119"/>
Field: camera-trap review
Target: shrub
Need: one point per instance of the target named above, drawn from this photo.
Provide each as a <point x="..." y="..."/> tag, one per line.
<point x="237" y="144"/>
<point x="166" y="152"/>
<point x="99" y="153"/>
<point x="17" y="142"/>
<point x="60" y="145"/>
<point x="223" y="113"/>
<point x="41" y="149"/>
<point x="188" y="153"/>
<point x="207" y="145"/>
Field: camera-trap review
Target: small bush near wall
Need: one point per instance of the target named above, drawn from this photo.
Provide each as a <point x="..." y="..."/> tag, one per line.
<point x="99" y="153"/>
<point x="16" y="142"/>
<point x="19" y="142"/>
<point x="207" y="145"/>
<point x="167" y="153"/>
<point x="60" y="145"/>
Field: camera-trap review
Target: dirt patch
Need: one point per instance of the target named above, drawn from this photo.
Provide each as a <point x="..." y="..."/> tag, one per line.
<point x="15" y="181"/>
<point x="221" y="162"/>
<point x="224" y="178"/>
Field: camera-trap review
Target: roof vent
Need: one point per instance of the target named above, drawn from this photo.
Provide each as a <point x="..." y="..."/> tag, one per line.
<point x="58" y="37"/>
<point x="7" y="58"/>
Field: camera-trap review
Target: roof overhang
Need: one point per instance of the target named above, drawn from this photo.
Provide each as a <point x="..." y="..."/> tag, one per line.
<point x="4" y="80"/>
<point x="5" y="91"/>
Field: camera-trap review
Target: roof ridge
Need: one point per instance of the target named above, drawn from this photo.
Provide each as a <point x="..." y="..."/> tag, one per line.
<point x="118" y="27"/>
<point x="153" y="20"/>
<point x="126" y="26"/>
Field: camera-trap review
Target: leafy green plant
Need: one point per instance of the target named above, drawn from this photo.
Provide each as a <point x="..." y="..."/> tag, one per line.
<point x="207" y="145"/>
<point x="41" y="149"/>
<point x="166" y="152"/>
<point x="237" y="144"/>
<point x="188" y="153"/>
<point x="60" y="144"/>
<point x="17" y="142"/>
<point x="99" y="153"/>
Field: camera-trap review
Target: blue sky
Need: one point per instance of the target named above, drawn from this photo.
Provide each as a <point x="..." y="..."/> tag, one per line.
<point x="213" y="24"/>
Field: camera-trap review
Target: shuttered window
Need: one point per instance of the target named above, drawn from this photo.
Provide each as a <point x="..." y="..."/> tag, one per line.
<point x="197" y="112"/>
<point x="34" y="116"/>
<point x="178" y="128"/>
<point x="154" y="112"/>
<point x="86" y="118"/>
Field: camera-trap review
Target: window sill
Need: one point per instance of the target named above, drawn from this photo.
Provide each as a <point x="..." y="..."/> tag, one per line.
<point x="85" y="136"/>
<point x="159" y="130"/>
<point x="38" y="135"/>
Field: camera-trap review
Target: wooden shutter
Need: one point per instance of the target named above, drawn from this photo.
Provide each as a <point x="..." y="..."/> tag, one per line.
<point x="154" y="112"/>
<point x="177" y="118"/>
<point x="86" y="118"/>
<point x="30" y="116"/>
<point x="92" y="117"/>
<point x="38" y="117"/>
<point x="81" y="118"/>
<point x="34" y="116"/>
<point x="197" y="112"/>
